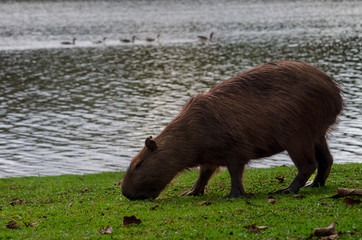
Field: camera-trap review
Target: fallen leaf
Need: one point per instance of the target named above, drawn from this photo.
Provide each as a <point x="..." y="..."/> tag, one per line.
<point x="31" y="224"/>
<point x="154" y="207"/>
<point x="298" y="196"/>
<point x="326" y="233"/>
<point x="280" y="179"/>
<point x="207" y="203"/>
<point x="85" y="189"/>
<point x="272" y="201"/>
<point x="70" y="204"/>
<point x="16" y="202"/>
<point x="351" y="201"/>
<point x="107" y="230"/>
<point x="344" y="192"/>
<point x="254" y="228"/>
<point x="130" y="220"/>
<point x="12" y="225"/>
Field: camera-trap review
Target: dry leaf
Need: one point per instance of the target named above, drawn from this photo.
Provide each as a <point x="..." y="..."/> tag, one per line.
<point x="298" y="196"/>
<point x="254" y="228"/>
<point x="351" y="201"/>
<point x="12" y="225"/>
<point x="107" y="230"/>
<point x="344" y="192"/>
<point x="280" y="179"/>
<point x="207" y="203"/>
<point x="31" y="224"/>
<point x="70" y="204"/>
<point x="16" y="202"/>
<point x="272" y="201"/>
<point x="154" y="207"/>
<point x="130" y="220"/>
<point x="326" y="232"/>
<point x="85" y="189"/>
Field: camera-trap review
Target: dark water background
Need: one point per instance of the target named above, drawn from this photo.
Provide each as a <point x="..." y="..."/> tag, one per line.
<point x="88" y="108"/>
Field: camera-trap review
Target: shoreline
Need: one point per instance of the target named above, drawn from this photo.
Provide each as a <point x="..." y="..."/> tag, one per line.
<point x="91" y="207"/>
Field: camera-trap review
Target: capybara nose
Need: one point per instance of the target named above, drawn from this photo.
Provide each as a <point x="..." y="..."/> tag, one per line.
<point x="135" y="196"/>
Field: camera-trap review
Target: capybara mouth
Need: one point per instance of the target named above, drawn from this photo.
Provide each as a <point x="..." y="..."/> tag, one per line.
<point x="139" y="197"/>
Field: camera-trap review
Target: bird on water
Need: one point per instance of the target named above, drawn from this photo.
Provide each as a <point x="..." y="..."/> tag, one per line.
<point x="205" y="39"/>
<point x="153" y="39"/>
<point x="128" y="40"/>
<point x="70" y="43"/>
<point x="99" y="41"/>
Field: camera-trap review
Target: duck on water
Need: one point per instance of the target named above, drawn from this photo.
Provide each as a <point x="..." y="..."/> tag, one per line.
<point x="205" y="39"/>
<point x="128" y="40"/>
<point x="70" y="43"/>
<point x="153" y="39"/>
<point x="99" y="41"/>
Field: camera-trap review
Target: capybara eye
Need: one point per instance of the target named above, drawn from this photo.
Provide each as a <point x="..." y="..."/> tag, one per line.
<point x="139" y="164"/>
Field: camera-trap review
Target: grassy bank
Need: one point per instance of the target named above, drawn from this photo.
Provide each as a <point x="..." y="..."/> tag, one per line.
<point x="81" y="207"/>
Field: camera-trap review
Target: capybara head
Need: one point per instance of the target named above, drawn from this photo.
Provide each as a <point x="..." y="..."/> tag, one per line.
<point x="148" y="173"/>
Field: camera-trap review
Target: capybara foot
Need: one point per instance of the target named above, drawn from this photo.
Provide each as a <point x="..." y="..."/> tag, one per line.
<point x="192" y="193"/>
<point x="232" y="195"/>
<point x="283" y="191"/>
<point x="235" y="194"/>
<point x="247" y="195"/>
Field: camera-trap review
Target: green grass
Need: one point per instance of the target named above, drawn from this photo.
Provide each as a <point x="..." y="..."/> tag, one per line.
<point x="79" y="207"/>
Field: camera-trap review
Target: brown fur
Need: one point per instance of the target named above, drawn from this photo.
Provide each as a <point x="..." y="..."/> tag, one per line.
<point x="286" y="105"/>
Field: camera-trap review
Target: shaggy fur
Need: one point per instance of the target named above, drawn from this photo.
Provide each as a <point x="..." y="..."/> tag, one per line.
<point x="286" y="105"/>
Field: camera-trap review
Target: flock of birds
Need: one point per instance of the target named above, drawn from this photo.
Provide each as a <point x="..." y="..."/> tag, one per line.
<point x="132" y="40"/>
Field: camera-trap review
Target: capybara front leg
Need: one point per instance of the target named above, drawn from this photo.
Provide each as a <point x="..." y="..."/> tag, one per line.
<point x="235" y="169"/>
<point x="325" y="161"/>
<point x="306" y="164"/>
<point x="205" y="173"/>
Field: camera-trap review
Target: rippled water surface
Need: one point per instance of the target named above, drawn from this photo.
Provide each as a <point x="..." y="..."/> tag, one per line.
<point x="87" y="108"/>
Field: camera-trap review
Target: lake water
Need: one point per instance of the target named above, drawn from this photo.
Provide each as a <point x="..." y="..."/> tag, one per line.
<point x="85" y="108"/>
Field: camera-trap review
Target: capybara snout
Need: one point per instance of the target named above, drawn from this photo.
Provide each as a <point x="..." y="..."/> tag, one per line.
<point x="285" y="105"/>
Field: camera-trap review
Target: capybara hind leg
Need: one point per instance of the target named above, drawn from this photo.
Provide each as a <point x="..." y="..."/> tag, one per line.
<point x="305" y="161"/>
<point x="205" y="173"/>
<point x="235" y="169"/>
<point x="324" y="161"/>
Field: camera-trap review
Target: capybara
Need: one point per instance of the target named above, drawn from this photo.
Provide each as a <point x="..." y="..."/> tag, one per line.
<point x="285" y="105"/>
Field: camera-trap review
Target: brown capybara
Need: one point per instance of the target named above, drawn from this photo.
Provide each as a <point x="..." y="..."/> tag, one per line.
<point x="285" y="105"/>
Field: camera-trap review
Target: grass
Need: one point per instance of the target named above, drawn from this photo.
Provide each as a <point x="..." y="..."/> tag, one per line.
<point x="80" y="206"/>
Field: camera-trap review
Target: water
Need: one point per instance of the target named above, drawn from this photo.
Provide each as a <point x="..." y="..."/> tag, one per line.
<point x="84" y="108"/>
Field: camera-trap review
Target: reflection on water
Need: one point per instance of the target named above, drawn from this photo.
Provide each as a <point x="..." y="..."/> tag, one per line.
<point x="86" y="108"/>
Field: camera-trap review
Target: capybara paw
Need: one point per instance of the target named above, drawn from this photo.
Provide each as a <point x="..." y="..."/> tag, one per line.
<point x="236" y="195"/>
<point x="282" y="191"/>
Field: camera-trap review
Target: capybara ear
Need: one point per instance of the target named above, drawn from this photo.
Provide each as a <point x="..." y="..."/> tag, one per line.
<point x="151" y="144"/>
